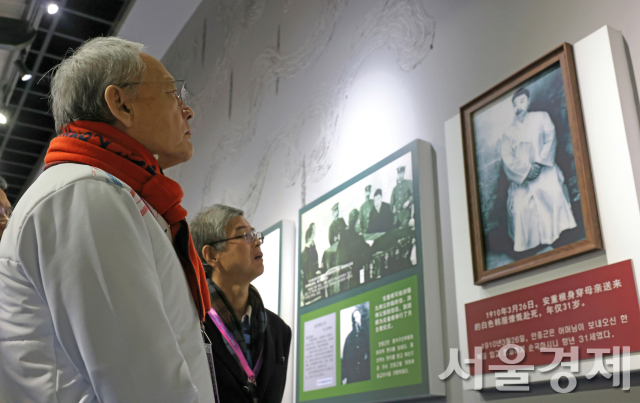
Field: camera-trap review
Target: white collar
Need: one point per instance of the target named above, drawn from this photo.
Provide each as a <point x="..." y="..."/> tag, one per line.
<point x="247" y="314"/>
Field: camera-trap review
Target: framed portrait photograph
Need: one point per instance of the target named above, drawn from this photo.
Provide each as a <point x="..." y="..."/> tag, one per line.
<point x="529" y="187"/>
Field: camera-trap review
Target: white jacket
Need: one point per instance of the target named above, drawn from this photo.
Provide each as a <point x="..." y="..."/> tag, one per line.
<point x="94" y="304"/>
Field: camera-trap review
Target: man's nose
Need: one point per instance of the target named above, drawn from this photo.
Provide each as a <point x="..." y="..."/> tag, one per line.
<point x="189" y="112"/>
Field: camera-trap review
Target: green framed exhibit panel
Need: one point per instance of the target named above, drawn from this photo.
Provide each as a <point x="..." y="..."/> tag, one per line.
<point x="369" y="314"/>
<point x="276" y="282"/>
<point x="269" y="282"/>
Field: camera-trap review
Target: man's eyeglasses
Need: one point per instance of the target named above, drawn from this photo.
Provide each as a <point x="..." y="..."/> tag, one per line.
<point x="249" y="237"/>
<point x="182" y="94"/>
<point x="7" y="212"/>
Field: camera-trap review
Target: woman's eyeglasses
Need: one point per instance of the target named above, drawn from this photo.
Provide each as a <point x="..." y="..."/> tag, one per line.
<point x="249" y="237"/>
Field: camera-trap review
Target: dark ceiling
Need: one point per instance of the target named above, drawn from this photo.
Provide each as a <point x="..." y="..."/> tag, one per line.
<point x="25" y="138"/>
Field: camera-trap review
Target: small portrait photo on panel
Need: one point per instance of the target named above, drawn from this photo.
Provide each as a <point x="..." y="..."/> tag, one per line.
<point x="527" y="150"/>
<point x="355" y="355"/>
<point x="364" y="232"/>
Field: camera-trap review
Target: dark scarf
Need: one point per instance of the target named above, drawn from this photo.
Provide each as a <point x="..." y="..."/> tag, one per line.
<point x="103" y="146"/>
<point x="221" y="304"/>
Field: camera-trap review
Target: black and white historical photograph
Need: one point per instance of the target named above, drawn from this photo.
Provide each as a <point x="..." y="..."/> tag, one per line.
<point x="363" y="233"/>
<point x="355" y="355"/>
<point x="527" y="182"/>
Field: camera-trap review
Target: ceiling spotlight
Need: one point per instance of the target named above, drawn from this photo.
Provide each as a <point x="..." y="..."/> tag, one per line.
<point x="26" y="76"/>
<point x="3" y="119"/>
<point x="52" y="8"/>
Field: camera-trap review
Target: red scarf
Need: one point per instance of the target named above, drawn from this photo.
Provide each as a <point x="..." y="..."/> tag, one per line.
<point x="103" y="146"/>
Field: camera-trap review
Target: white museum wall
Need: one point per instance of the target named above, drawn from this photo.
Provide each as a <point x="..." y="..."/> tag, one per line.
<point x="344" y="102"/>
<point x="156" y="27"/>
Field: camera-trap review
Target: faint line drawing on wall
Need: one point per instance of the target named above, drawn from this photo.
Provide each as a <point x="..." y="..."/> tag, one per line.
<point x="403" y="27"/>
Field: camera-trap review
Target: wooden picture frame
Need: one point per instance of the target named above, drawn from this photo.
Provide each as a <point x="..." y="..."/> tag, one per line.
<point x="529" y="126"/>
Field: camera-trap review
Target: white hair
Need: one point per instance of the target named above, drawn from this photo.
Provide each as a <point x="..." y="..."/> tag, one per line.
<point x="210" y="225"/>
<point x="80" y="81"/>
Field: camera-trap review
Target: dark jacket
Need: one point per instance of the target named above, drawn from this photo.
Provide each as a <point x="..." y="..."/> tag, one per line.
<point x="381" y="221"/>
<point x="336" y="227"/>
<point x="353" y="248"/>
<point x="271" y="378"/>
<point x="356" y="365"/>
<point x="309" y="263"/>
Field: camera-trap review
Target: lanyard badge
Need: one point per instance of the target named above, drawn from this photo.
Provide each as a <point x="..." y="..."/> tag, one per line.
<point x="251" y="375"/>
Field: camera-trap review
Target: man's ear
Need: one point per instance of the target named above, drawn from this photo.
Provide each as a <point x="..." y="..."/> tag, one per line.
<point x="210" y="255"/>
<point x="119" y="105"/>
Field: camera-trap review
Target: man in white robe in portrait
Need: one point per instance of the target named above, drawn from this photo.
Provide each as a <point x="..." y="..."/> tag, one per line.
<point x="538" y="206"/>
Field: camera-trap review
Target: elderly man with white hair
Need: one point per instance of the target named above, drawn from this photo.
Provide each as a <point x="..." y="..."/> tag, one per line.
<point x="250" y="344"/>
<point x="102" y="293"/>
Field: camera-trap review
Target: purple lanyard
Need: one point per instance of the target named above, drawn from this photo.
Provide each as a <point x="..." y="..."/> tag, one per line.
<point x="236" y="348"/>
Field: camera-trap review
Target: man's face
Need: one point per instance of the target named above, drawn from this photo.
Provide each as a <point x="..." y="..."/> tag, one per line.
<point x="377" y="201"/>
<point x="160" y="120"/>
<point x="367" y="194"/>
<point x="241" y="263"/>
<point x="521" y="104"/>
<point x="400" y="176"/>
<point x="336" y="212"/>
<point x="357" y="319"/>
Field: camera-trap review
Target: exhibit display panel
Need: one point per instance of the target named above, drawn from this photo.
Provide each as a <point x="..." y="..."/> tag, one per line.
<point x="277" y="285"/>
<point x="612" y="133"/>
<point x="269" y="282"/>
<point x="369" y="316"/>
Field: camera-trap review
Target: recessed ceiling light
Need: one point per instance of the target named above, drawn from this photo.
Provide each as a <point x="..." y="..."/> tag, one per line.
<point x="52" y="8"/>
<point x="3" y="119"/>
<point x="22" y="69"/>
